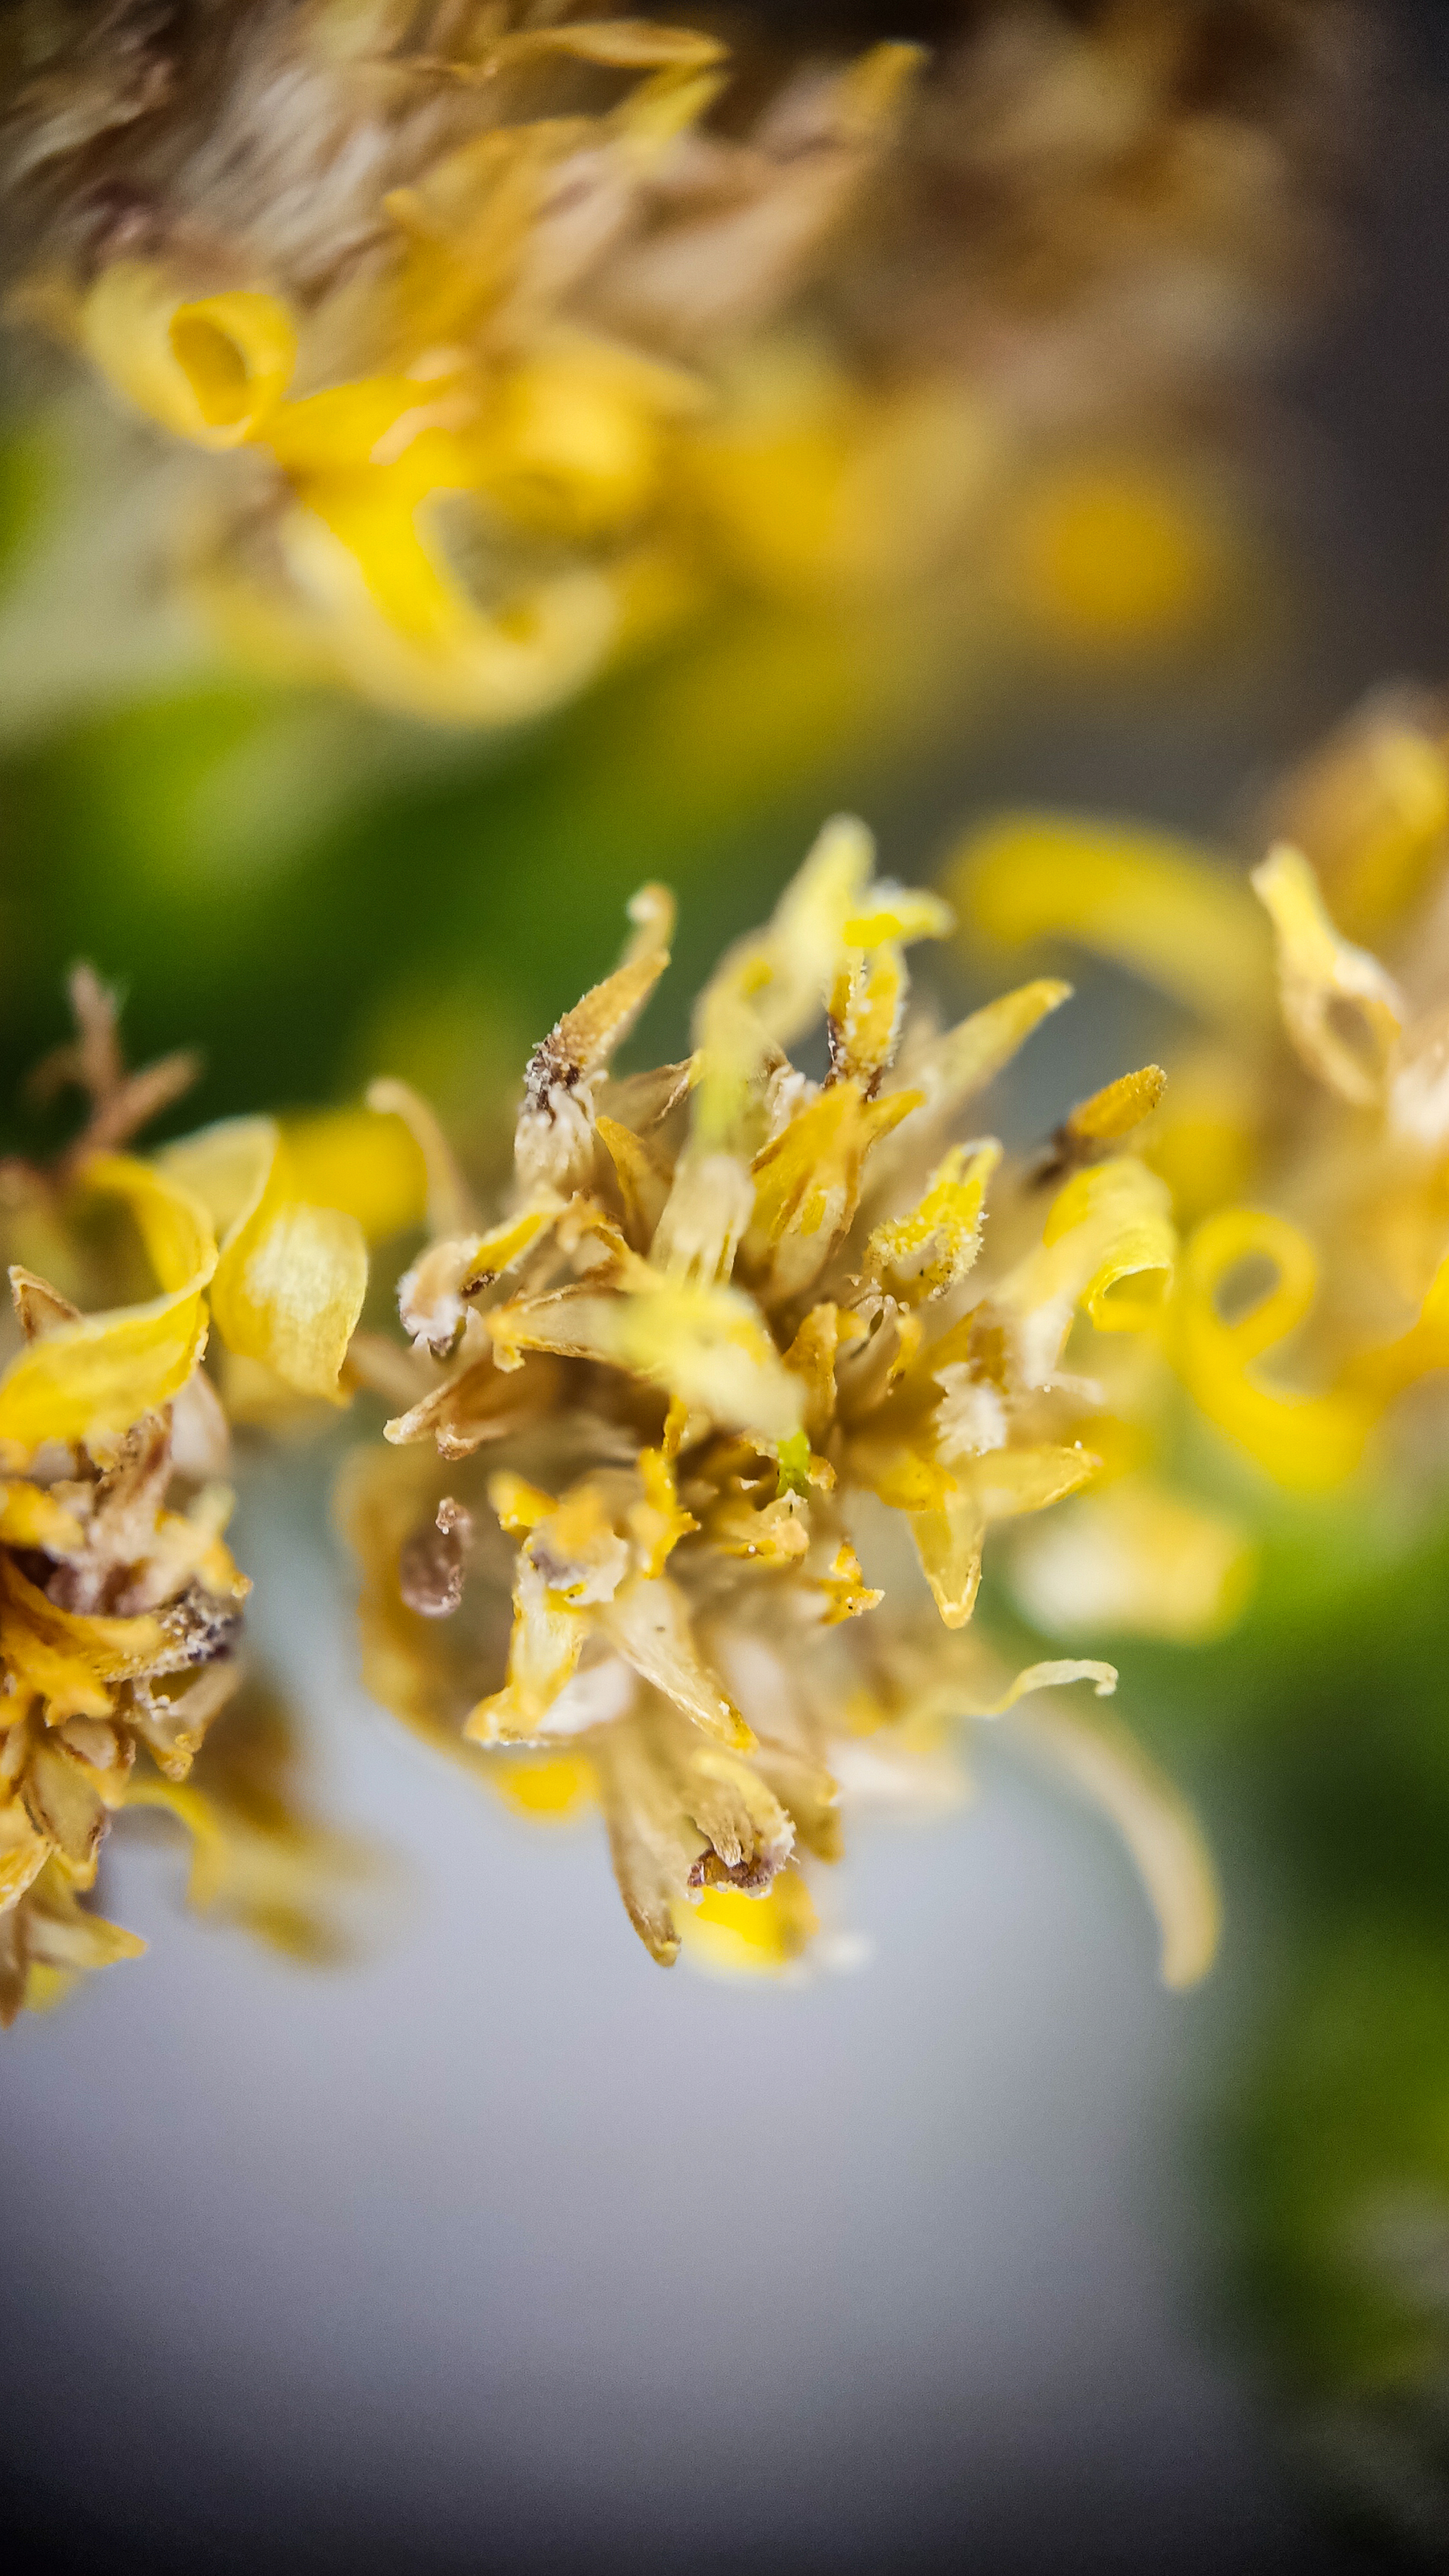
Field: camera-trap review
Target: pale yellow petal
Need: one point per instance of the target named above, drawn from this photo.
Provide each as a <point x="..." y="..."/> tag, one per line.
<point x="1158" y="905"/>
<point x="368" y="1165"/>
<point x="547" y="1641"/>
<point x="1159" y="1829"/>
<point x="291" y="1277"/>
<point x="1119" y="1213"/>
<point x="1136" y="1558"/>
<point x="649" y="1623"/>
<point x="1342" y="1012"/>
<point x="949" y="1540"/>
<point x="101" y="1373"/>
<point x="704" y="1346"/>
<point x="289" y="1291"/>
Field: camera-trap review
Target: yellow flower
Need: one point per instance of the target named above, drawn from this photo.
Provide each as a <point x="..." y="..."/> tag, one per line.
<point x="119" y="1615"/>
<point x="120" y="1605"/>
<point x="738" y="1332"/>
<point x="507" y="351"/>
<point x="1305" y="1135"/>
<point x="472" y="452"/>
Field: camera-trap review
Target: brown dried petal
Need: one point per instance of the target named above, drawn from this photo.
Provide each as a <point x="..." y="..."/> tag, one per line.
<point x="173" y="1730"/>
<point x="14" y="1964"/>
<point x="63" y="1803"/>
<point x="39" y="1308"/>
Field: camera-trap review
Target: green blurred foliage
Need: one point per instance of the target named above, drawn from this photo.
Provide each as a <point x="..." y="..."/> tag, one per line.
<point x="292" y="880"/>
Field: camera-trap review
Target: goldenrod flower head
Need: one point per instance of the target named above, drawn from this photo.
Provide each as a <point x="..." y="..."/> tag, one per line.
<point x="512" y="334"/>
<point x="738" y="1334"/>
<point x="120" y="1605"/>
<point x="436" y="281"/>
<point x="1305" y="1134"/>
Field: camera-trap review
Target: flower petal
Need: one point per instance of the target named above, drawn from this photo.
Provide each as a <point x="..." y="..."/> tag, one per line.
<point x="291" y="1277"/>
<point x="212" y="368"/>
<point x="1156" y="904"/>
<point x="1161" y="1833"/>
<point x="101" y="1373"/>
<point x="1342" y="1012"/>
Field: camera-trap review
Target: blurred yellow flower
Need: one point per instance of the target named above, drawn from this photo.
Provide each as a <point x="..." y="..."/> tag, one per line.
<point x="503" y="337"/>
<point x="1305" y="1137"/>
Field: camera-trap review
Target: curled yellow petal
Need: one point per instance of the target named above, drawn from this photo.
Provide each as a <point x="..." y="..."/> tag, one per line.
<point x="1307" y="1442"/>
<point x="100" y="1373"/>
<point x="1342" y="1012"/>
<point x="1109" y="1225"/>
<point x="291" y="1276"/>
<point x="212" y="368"/>
<point x="376" y="590"/>
<point x="1058" y="1674"/>
<point x="375" y="420"/>
<point x="1119" y="1214"/>
<point x="1159" y="1829"/>
<point x="574" y="441"/>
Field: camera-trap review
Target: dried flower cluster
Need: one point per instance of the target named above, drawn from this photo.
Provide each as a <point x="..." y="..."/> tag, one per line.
<point x="120" y="1605"/>
<point x="740" y="1369"/>
<point x="702" y="1440"/>
<point x="514" y="332"/>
